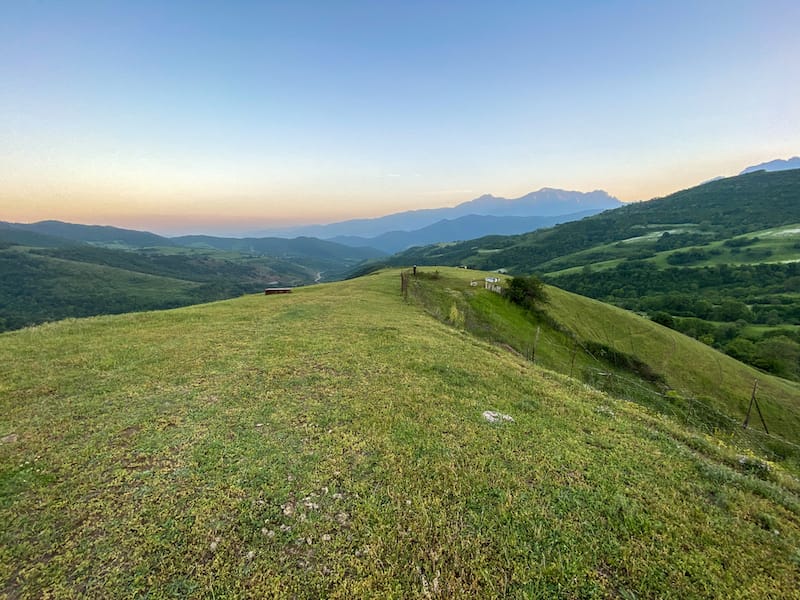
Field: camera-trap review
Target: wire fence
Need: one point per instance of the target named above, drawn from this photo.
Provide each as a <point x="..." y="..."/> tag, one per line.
<point x="664" y="401"/>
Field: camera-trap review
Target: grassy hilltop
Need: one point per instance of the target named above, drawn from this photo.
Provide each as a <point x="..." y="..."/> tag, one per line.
<point x="331" y="443"/>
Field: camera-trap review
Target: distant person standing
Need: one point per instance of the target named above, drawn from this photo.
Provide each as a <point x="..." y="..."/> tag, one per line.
<point x="415" y="270"/>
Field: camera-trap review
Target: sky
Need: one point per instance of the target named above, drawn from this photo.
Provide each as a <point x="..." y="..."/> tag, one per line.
<point x="229" y="117"/>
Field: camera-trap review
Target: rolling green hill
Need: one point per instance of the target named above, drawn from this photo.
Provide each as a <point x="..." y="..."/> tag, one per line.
<point x="719" y="262"/>
<point x="334" y="442"/>
<point x="306" y="247"/>
<point x="95" y="234"/>
<point x="47" y="284"/>
<point x="39" y="288"/>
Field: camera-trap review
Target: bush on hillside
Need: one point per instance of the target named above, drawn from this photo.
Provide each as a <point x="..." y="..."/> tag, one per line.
<point x="663" y="318"/>
<point x="526" y="291"/>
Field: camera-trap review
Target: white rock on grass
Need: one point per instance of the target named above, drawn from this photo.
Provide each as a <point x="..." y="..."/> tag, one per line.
<point x="496" y="417"/>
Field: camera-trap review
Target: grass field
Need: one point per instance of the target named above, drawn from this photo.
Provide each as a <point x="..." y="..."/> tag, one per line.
<point x="331" y="443"/>
<point x="772" y="245"/>
<point x="689" y="369"/>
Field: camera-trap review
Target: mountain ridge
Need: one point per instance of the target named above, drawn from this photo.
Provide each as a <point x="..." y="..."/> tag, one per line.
<point x="771" y="198"/>
<point x="546" y="202"/>
<point x="457" y="229"/>
<point x="774" y="165"/>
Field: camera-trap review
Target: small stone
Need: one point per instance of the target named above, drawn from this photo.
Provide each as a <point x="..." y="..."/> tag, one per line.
<point x="495" y="417"/>
<point x="326" y="537"/>
<point x="259" y="424"/>
<point x="213" y="546"/>
<point x="251" y="555"/>
<point x="288" y="509"/>
<point x="9" y="439"/>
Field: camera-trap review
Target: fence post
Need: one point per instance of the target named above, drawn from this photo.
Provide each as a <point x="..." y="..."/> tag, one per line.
<point x="750" y="406"/>
<point x="572" y="362"/>
<point x="535" y="343"/>
<point x="758" y="408"/>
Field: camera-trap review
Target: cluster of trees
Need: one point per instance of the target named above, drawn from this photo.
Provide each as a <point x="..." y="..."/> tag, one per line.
<point x="692" y="256"/>
<point x="527" y="292"/>
<point x="776" y="351"/>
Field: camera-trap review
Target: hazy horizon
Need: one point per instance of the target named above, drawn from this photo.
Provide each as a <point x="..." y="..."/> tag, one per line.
<point x="186" y="117"/>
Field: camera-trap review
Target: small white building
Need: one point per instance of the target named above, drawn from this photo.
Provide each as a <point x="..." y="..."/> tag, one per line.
<point x="493" y="284"/>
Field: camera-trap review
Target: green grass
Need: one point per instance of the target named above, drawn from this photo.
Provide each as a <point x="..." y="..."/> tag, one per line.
<point x="773" y="245"/>
<point x="330" y="443"/>
<point x="688" y="367"/>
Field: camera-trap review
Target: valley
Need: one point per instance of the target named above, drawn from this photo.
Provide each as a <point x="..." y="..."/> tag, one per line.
<point x="61" y="270"/>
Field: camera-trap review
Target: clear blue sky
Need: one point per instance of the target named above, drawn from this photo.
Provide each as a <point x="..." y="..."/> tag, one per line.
<point x="234" y="116"/>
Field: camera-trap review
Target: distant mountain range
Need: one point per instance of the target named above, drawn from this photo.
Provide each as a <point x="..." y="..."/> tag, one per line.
<point x="697" y="216"/>
<point x="462" y="228"/>
<point x="482" y="216"/>
<point x="486" y="215"/>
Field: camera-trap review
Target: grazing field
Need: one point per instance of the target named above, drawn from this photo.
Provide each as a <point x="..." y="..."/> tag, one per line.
<point x="332" y="442"/>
